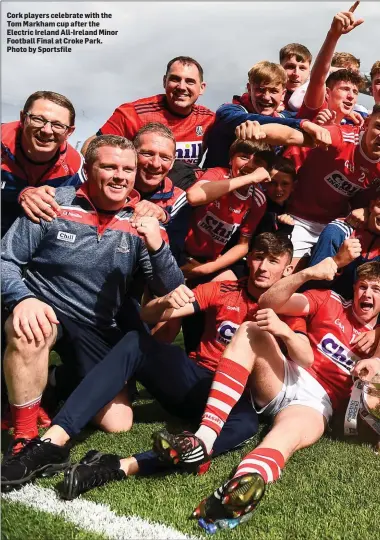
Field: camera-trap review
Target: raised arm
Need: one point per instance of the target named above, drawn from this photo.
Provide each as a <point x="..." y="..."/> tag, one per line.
<point x="282" y="296"/>
<point x="342" y="23"/>
<point x="205" y="191"/>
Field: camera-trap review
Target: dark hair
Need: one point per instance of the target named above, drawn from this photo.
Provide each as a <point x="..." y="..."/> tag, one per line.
<point x="260" y="149"/>
<point x="107" y="140"/>
<point x="59" y="99"/>
<point x="285" y="165"/>
<point x="369" y="271"/>
<point x="301" y="52"/>
<point x="376" y="109"/>
<point x="154" y="127"/>
<point x="185" y="60"/>
<point x="273" y="244"/>
<point x="345" y="75"/>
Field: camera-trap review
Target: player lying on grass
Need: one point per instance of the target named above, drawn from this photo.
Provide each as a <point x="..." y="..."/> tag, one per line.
<point x="299" y="396"/>
<point x="181" y="384"/>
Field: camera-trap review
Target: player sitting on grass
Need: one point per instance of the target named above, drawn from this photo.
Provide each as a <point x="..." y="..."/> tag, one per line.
<point x="180" y="383"/>
<point x="63" y="281"/>
<point x="300" y="396"/>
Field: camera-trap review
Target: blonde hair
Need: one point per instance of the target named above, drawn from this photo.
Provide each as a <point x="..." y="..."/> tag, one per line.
<point x="267" y="73"/>
<point x="375" y="69"/>
<point x="345" y="60"/>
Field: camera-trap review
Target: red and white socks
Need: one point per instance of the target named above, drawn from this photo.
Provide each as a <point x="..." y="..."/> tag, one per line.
<point x="265" y="461"/>
<point x="24" y="419"/>
<point x="227" y="387"/>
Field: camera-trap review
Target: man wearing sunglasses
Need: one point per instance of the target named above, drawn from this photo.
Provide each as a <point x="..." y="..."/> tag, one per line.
<point x="35" y="153"/>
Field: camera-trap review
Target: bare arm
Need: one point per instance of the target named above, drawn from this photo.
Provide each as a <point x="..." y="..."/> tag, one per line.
<point x="204" y="192"/>
<point x="298" y="345"/>
<point x="282" y="296"/>
<point x="86" y="143"/>
<point x="342" y="23"/>
<point x="178" y="303"/>
<point x="230" y="257"/>
<point x="278" y="135"/>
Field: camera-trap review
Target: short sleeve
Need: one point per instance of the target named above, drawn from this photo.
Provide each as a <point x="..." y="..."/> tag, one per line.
<point x="316" y="299"/>
<point x="207" y="294"/>
<point x="124" y="122"/>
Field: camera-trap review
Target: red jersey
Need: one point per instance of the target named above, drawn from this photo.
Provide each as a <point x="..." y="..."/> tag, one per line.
<point x="331" y="326"/>
<point x="310" y="114"/>
<point x="227" y="304"/>
<point x="188" y="130"/>
<point x="328" y="179"/>
<point x="213" y="224"/>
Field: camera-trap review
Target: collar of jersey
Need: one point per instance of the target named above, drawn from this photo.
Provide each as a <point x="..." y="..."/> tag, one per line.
<point x="132" y="200"/>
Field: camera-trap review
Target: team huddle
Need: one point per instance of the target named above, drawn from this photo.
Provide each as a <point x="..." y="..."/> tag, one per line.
<point x="254" y="231"/>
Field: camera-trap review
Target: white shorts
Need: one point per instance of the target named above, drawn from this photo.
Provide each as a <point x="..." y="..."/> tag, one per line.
<point x="299" y="388"/>
<point x="305" y="235"/>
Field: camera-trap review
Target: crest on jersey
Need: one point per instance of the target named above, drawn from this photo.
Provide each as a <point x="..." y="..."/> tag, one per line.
<point x="199" y="131"/>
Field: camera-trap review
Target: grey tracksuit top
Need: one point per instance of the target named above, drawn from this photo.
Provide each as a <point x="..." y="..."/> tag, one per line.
<point x="83" y="261"/>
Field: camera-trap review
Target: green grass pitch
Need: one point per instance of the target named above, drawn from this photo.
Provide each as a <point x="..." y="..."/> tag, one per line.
<point x="330" y="491"/>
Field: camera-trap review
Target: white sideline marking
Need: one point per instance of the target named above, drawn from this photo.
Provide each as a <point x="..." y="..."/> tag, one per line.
<point x="93" y="517"/>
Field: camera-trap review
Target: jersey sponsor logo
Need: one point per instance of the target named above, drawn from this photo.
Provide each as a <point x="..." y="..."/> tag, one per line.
<point x="188" y="151"/>
<point x="66" y="237"/>
<point x="199" y="131"/>
<point x="226" y="332"/>
<point x="233" y="308"/>
<point x="333" y="349"/>
<point x="235" y="210"/>
<point x="219" y="230"/>
<point x="341" y="184"/>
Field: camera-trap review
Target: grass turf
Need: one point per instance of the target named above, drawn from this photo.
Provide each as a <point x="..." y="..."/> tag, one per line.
<point x="329" y="491"/>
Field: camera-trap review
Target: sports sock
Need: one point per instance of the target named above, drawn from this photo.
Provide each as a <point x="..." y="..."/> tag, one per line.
<point x="265" y="461"/>
<point x="226" y="389"/>
<point x="24" y="419"/>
